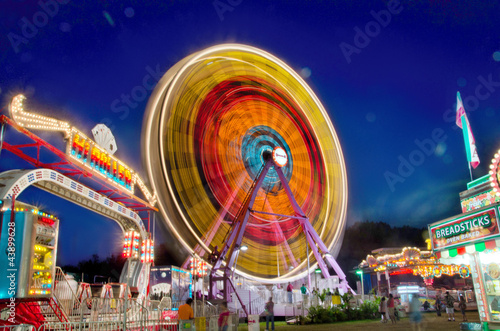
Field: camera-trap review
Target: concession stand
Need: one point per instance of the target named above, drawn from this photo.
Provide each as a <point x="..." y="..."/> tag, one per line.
<point x="472" y="241"/>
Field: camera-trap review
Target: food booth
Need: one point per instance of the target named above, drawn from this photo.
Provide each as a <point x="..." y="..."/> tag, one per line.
<point x="471" y="240"/>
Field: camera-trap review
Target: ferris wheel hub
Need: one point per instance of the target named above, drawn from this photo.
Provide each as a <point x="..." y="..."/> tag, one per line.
<point x="267" y="154"/>
<point x="280" y="157"/>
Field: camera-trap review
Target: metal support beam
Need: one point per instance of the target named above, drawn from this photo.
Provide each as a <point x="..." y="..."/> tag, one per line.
<point x="235" y="236"/>
<point x="314" y="239"/>
<point x="63" y="164"/>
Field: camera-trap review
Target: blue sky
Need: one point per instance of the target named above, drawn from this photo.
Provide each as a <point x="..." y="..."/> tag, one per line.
<point x="384" y="88"/>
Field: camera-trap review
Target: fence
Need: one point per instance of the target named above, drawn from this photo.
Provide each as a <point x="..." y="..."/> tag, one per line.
<point x="107" y="325"/>
<point x="65" y="293"/>
<point x="20" y="327"/>
<point x="122" y="314"/>
<point x="202" y="323"/>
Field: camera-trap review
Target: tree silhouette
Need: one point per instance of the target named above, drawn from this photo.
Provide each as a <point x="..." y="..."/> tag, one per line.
<point x="363" y="237"/>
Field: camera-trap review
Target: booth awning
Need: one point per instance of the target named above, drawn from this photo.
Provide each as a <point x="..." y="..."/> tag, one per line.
<point x="477" y="247"/>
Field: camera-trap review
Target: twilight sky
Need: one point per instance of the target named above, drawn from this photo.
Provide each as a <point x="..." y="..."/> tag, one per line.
<point x="386" y="71"/>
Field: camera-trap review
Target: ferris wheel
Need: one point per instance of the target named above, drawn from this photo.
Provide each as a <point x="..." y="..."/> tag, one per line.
<point x="211" y="124"/>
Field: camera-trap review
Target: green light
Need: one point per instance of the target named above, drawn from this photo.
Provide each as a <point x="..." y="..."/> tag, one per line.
<point x="359" y="272"/>
<point x="317" y="271"/>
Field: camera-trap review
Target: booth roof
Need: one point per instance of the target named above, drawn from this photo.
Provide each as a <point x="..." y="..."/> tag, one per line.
<point x="470" y="248"/>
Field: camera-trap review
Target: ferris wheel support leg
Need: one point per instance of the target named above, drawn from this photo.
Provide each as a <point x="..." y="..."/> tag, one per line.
<point x="313" y="238"/>
<point x="235" y="237"/>
<point x="317" y="245"/>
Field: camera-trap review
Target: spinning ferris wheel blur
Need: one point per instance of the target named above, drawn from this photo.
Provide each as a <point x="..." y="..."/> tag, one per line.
<point x="210" y="123"/>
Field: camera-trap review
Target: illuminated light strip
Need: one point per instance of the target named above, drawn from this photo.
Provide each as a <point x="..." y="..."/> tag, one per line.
<point x="494" y="173"/>
<point x="152" y="198"/>
<point x="33" y="121"/>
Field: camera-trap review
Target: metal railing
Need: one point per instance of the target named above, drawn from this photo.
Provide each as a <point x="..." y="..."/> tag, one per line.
<point x="108" y="325"/>
<point x="64" y="294"/>
<point x="20" y="327"/>
<point x="257" y="305"/>
<point x="105" y="316"/>
<point x="107" y="312"/>
<point x="121" y="314"/>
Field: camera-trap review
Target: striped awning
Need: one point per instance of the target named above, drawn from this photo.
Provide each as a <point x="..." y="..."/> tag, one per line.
<point x="477" y="247"/>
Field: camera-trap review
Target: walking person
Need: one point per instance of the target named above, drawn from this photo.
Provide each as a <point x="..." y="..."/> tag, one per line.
<point x="415" y="314"/>
<point x="305" y="295"/>
<point x="450" y="310"/>
<point x="269" y="308"/>
<point x="289" y="292"/>
<point x="438" y="306"/>
<point x="223" y="317"/>
<point x="186" y="315"/>
<point x="390" y="308"/>
<point x="463" y="307"/>
<point x="382" y="309"/>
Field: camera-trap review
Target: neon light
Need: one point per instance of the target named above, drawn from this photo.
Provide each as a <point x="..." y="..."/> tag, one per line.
<point x="147" y="248"/>
<point x="88" y="153"/>
<point x="131" y="244"/>
<point x="47" y="220"/>
<point x="401" y="272"/>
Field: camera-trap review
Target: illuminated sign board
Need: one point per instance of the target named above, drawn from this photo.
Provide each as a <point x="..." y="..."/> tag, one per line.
<point x="478" y="201"/>
<point x="464" y="229"/>
<point x="85" y="151"/>
<point x="280" y="157"/>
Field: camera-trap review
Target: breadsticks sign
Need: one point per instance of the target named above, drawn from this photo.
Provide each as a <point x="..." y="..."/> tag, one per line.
<point x="464" y="229"/>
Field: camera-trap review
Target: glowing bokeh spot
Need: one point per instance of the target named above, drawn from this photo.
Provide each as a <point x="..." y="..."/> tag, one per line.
<point x="496" y="56"/>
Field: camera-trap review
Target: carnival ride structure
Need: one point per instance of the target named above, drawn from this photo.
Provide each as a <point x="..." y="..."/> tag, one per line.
<point x="211" y="126"/>
<point x="86" y="175"/>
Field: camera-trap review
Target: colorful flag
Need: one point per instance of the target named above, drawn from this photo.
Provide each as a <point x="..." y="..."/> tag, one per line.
<point x="470" y="143"/>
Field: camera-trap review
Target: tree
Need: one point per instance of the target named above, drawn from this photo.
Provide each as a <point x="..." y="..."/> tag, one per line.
<point x="363" y="237"/>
